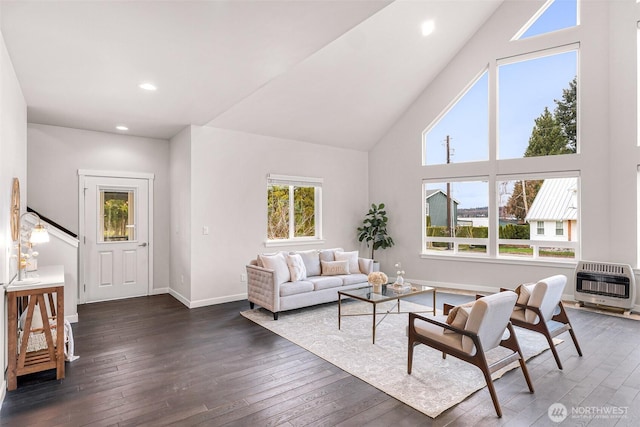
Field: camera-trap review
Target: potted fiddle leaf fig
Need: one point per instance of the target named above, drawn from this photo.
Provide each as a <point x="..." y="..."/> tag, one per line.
<point x="374" y="229"/>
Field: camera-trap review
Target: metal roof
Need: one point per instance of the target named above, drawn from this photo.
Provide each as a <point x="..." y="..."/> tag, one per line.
<point x="556" y="201"/>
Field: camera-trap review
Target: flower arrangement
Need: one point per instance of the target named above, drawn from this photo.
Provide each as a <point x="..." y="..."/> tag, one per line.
<point x="377" y="278"/>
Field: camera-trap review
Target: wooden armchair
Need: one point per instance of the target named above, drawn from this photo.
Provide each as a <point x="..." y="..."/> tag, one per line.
<point x="487" y="321"/>
<point x="544" y="312"/>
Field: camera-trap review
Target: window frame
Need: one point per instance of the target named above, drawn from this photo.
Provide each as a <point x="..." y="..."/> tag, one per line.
<point x="292" y="182"/>
<point x="539" y="227"/>
<point x="497" y="169"/>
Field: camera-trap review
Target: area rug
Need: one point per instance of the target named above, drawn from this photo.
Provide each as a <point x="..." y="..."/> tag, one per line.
<point x="434" y="385"/>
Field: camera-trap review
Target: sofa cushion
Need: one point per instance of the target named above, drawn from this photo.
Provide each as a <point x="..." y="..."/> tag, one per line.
<point x="328" y="254"/>
<point x="294" y="288"/>
<point x="352" y="279"/>
<point x="277" y="263"/>
<point x="334" y="268"/>
<point x="352" y="257"/>
<point x="325" y="282"/>
<point x="311" y="261"/>
<point x="296" y="267"/>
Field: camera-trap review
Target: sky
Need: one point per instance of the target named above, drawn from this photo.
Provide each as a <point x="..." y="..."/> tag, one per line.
<point x="525" y="88"/>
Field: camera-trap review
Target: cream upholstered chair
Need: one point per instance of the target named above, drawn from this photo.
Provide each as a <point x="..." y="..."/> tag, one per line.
<point x="539" y="308"/>
<point x="483" y="330"/>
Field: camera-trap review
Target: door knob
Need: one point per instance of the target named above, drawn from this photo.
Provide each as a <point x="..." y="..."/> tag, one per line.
<point x="143" y="244"/>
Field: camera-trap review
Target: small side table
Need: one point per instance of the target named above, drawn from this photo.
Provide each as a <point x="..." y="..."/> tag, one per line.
<point x="47" y="283"/>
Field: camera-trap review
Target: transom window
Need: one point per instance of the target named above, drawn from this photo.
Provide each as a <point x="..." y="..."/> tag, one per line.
<point x="293" y="208"/>
<point x="554" y="15"/>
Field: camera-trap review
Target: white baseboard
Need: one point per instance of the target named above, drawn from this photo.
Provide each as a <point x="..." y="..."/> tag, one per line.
<point x="220" y="300"/>
<point x="205" y="302"/>
<point x="179" y="297"/>
<point x="72" y="318"/>
<point x="159" y="291"/>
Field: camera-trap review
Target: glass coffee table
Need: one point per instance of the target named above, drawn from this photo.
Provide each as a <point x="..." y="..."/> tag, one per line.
<point x="388" y="293"/>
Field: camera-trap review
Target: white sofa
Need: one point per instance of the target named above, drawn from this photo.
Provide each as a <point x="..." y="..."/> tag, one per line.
<point x="284" y="281"/>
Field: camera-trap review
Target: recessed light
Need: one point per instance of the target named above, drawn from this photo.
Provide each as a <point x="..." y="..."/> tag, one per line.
<point x="121" y="127"/>
<point x="428" y="27"/>
<point x="147" y="86"/>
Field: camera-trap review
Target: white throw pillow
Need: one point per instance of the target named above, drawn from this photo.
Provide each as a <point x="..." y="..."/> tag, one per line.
<point x="296" y="267"/>
<point x="352" y="257"/>
<point x="278" y="264"/>
<point x="311" y="259"/>
<point x="334" y="268"/>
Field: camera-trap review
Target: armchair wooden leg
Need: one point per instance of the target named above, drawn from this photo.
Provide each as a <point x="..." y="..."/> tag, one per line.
<point x="410" y="357"/>
<point x="553" y="350"/>
<point x="525" y="372"/>
<point x="251" y="305"/>
<point x="575" y="342"/>
<point x="492" y="391"/>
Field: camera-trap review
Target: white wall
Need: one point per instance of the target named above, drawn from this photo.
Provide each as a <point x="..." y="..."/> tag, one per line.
<point x="180" y="182"/>
<point x="228" y="194"/>
<point x="607" y="146"/>
<point x="13" y="163"/>
<point x="56" y="153"/>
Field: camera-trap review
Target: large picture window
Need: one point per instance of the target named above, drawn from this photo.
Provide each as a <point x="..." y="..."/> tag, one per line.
<point x="293" y="208"/>
<point x="521" y="107"/>
<point x="456" y="217"/>
<point x="537" y="97"/>
<point x="528" y="206"/>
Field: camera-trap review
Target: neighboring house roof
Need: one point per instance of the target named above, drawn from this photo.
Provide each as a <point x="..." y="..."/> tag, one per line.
<point x="430" y="193"/>
<point x="556" y="201"/>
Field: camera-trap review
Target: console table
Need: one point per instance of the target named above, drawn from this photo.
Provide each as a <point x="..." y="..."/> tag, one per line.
<point x="47" y="282"/>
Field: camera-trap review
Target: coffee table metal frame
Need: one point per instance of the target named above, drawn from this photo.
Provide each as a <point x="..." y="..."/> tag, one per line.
<point x="366" y="294"/>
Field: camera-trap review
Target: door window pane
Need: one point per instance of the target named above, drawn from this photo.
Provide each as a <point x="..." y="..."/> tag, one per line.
<point x="117" y="213"/>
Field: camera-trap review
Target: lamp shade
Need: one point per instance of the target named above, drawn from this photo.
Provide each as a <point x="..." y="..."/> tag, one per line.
<point x="39" y="234"/>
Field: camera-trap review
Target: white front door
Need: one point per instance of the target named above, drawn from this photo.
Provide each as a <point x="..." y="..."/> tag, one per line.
<point x="116" y="238"/>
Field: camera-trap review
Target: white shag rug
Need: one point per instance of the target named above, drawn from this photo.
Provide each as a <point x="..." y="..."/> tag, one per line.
<point x="434" y="385"/>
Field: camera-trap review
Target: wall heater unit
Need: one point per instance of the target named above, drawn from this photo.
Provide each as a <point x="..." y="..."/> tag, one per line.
<point x="607" y="284"/>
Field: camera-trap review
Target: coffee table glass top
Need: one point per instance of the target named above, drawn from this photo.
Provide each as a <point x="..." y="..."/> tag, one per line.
<point x="388" y="292"/>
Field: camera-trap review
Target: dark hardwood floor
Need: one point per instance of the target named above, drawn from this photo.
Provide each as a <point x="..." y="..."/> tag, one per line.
<point x="151" y="361"/>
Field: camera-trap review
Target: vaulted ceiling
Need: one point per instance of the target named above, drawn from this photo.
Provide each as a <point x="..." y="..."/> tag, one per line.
<point x="335" y="72"/>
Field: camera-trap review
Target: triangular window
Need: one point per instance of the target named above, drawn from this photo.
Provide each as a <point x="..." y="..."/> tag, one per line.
<point x="461" y="133"/>
<point x="552" y="16"/>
